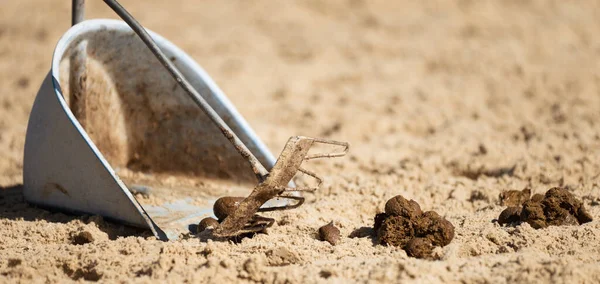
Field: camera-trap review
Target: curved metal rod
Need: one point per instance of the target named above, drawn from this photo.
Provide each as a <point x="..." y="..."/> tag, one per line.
<point x="259" y="170"/>
<point x="343" y="152"/>
<point x="300" y="200"/>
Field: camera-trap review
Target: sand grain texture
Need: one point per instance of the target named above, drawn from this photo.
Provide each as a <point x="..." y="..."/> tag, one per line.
<point x="448" y="103"/>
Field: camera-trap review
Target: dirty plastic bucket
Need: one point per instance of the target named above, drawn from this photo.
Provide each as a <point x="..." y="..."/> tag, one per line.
<point x="109" y="121"/>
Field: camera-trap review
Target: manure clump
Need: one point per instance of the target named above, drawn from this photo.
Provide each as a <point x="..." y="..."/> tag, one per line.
<point x="556" y="208"/>
<point x="330" y="233"/>
<point x="404" y="225"/>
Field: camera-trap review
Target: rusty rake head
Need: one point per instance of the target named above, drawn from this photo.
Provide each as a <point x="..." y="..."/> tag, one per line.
<point x="275" y="185"/>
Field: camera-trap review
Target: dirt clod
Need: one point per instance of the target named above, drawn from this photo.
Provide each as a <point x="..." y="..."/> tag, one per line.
<point x="396" y="231"/>
<point x="556" y="208"/>
<point x="329" y="233"/>
<point x="206" y="223"/>
<point x="434" y="227"/>
<point x="583" y="216"/>
<point x="537" y="197"/>
<point x="399" y="206"/>
<point x="510" y="215"/>
<point x="514" y="197"/>
<point x="13" y="262"/>
<point x="405" y="225"/>
<point x="81" y="238"/>
<point x="533" y="213"/>
<point x="419" y="248"/>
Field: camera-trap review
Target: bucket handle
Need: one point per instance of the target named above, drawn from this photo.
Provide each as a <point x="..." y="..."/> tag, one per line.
<point x="78" y="14"/>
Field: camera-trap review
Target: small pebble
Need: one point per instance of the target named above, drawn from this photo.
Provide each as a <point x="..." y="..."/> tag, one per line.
<point x="330" y="233"/>
<point x="206" y="223"/>
<point x="82" y="238"/>
<point x="510" y="215"/>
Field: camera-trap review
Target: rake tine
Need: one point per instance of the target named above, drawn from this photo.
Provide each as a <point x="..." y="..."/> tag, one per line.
<point x="258" y="224"/>
<point x="329" y="155"/>
<point x="313" y="175"/>
<point x="296" y="189"/>
<point x="284" y="207"/>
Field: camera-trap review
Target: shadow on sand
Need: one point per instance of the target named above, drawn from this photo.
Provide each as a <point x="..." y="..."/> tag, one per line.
<point x="14" y="207"/>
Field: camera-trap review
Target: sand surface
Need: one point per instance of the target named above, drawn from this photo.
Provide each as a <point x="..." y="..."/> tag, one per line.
<point x="432" y="96"/>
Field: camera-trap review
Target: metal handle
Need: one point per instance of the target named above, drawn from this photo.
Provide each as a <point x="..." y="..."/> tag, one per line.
<point x="77" y="11"/>
<point x="259" y="170"/>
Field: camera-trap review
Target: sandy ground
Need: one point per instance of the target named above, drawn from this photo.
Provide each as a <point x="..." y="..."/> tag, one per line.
<point x="428" y="93"/>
